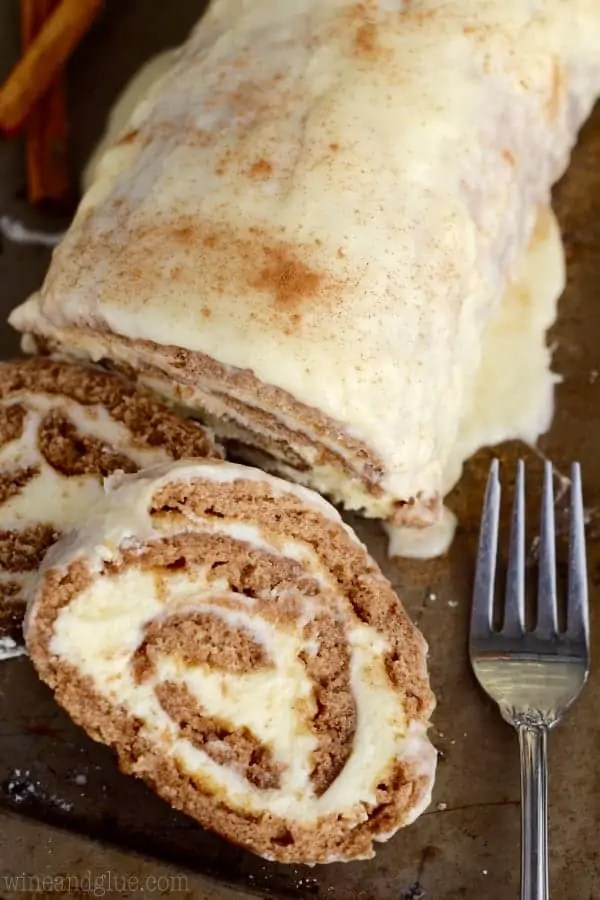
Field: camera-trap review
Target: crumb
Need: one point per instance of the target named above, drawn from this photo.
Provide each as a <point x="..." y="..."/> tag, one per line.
<point x="453" y="603"/>
<point x="593" y="375"/>
<point x="21" y="787"/>
<point x="442" y="806"/>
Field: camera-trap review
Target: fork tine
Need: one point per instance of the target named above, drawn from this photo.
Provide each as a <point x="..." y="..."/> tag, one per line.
<point x="577" y="597"/>
<point x="483" y="593"/>
<point x="546" y="613"/>
<point x="514" y="604"/>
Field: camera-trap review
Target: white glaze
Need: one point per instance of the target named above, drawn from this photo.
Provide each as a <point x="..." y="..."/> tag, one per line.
<point x="431" y="197"/>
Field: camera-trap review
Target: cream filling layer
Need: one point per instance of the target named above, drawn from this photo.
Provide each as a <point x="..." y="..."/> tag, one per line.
<point x="112" y="525"/>
<point x="51" y="497"/>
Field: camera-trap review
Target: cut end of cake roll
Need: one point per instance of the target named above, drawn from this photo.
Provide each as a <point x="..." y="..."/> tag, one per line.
<point x="258" y="423"/>
<point x="63" y="429"/>
<point x="231" y="639"/>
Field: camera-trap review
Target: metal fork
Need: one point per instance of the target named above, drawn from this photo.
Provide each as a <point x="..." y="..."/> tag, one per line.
<point x="532" y="675"/>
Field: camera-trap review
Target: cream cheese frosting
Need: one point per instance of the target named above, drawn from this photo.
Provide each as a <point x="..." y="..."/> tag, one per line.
<point x="303" y="195"/>
<point x="513" y="396"/>
<point x="508" y="401"/>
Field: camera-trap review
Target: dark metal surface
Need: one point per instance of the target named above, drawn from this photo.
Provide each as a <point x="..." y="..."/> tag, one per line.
<point x="467" y="844"/>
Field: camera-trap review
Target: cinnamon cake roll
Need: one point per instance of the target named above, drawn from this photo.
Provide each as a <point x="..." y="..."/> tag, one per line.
<point x="310" y="220"/>
<point x="230" y="638"/>
<point x="63" y="429"/>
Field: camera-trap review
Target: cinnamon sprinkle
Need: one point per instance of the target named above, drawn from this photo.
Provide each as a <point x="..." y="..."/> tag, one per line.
<point x="287" y="277"/>
<point x="261" y="169"/>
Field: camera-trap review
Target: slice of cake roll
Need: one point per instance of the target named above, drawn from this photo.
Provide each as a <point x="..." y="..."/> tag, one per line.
<point x="63" y="428"/>
<point x="230" y="638"/>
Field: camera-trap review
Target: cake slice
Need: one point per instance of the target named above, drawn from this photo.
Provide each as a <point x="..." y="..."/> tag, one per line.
<point x="230" y="638"/>
<point x="63" y="429"/>
<point x="312" y="218"/>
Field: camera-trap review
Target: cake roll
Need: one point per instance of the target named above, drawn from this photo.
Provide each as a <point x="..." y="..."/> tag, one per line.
<point x="124" y="106"/>
<point x="63" y="429"/>
<point x="230" y="638"/>
<point x="312" y="217"/>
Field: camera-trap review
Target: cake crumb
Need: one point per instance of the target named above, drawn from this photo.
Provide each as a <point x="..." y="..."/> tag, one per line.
<point x="21" y="787"/>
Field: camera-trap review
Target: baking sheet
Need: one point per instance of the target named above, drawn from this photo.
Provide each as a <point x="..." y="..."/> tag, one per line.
<point x="467" y="844"/>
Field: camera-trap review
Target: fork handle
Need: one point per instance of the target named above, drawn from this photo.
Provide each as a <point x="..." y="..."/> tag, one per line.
<point x="534" y="812"/>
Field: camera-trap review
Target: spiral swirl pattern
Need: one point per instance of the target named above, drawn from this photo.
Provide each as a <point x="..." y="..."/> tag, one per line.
<point x="63" y="428"/>
<point x="230" y="637"/>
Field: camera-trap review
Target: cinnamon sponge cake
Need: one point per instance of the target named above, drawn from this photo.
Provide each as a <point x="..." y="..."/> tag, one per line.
<point x="63" y="429"/>
<point x="230" y="638"/>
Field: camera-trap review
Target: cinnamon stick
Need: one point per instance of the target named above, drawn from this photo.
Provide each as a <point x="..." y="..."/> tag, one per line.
<point x="47" y="124"/>
<point x="37" y="68"/>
